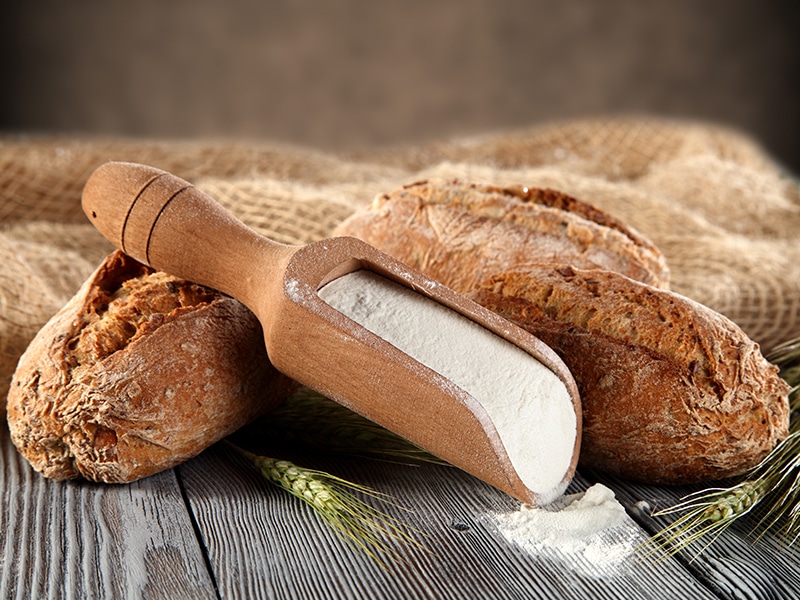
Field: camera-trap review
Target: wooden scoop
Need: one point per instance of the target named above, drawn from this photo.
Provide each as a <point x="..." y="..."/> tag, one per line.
<point x="165" y="222"/>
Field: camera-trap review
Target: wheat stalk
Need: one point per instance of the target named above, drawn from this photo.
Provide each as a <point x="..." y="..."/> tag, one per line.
<point x="772" y="486"/>
<point x="336" y="501"/>
<point x="315" y="422"/>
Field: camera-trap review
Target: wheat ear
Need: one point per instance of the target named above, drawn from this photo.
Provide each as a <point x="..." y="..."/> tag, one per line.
<point x="335" y="501"/>
<point x="773" y="486"/>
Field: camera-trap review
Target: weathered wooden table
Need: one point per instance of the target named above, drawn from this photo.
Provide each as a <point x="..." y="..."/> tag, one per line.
<point x="214" y="528"/>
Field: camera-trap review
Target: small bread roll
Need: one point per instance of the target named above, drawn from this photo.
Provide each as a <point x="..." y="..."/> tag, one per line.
<point x="138" y="372"/>
<point x="461" y="233"/>
<point x="672" y="391"/>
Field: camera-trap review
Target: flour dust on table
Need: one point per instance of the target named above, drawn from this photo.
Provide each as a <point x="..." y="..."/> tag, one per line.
<point x="589" y="530"/>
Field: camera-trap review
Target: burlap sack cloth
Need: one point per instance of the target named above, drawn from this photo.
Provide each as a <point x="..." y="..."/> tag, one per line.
<point x="724" y="214"/>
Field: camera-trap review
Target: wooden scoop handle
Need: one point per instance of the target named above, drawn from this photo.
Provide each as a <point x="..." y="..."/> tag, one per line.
<point x="165" y="222"/>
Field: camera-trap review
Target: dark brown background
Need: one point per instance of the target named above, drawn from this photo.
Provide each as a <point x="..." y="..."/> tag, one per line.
<point x="361" y="73"/>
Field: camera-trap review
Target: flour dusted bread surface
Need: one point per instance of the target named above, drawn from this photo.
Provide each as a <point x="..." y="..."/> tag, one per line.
<point x="137" y="373"/>
<point x="672" y="392"/>
<point x="461" y="233"/>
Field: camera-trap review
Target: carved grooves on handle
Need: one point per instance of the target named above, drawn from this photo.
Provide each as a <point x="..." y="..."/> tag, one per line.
<point x="144" y="213"/>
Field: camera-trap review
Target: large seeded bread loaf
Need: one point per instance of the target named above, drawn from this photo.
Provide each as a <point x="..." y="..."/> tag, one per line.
<point x="138" y="372"/>
<point x="672" y="392"/>
<point x="460" y="233"/>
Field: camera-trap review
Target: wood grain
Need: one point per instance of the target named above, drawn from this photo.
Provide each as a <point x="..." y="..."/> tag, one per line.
<point x="263" y="543"/>
<point x="214" y="528"/>
<point x="84" y="540"/>
<point x="737" y="565"/>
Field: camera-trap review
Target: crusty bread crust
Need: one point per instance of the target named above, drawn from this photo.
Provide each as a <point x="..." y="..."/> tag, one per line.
<point x="672" y="392"/>
<point x="461" y="233"/>
<point x="138" y="372"/>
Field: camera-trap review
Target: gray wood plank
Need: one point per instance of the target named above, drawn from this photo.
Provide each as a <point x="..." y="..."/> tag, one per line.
<point x="83" y="540"/>
<point x="263" y="543"/>
<point x="736" y="565"/>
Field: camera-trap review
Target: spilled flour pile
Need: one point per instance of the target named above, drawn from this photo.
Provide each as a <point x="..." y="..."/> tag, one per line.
<point x="590" y="529"/>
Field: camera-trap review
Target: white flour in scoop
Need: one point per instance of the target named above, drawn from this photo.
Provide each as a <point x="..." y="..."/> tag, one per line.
<point x="528" y="404"/>
<point x="590" y="529"/>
